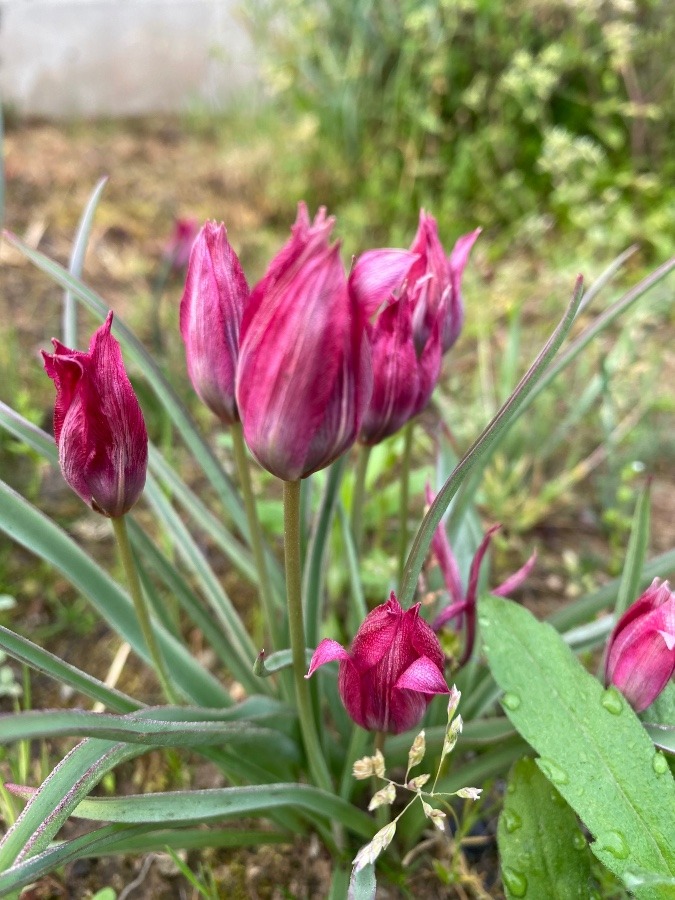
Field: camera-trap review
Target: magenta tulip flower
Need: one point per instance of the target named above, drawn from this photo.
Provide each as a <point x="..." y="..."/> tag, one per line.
<point x="435" y="283"/>
<point x="402" y="382"/>
<point x="641" y="649"/>
<point x="211" y="309"/>
<point x="462" y="608"/>
<point x="98" y="424"/>
<point x="304" y="377"/>
<point x="179" y="245"/>
<point x="393" y="671"/>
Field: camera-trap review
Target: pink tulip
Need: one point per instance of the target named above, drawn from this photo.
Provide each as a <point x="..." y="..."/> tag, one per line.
<point x="402" y="381"/>
<point x="98" y="424"/>
<point x="213" y="303"/>
<point x="641" y="649"/>
<point x="177" y="249"/>
<point x="304" y="377"/>
<point x="462" y="607"/>
<point x="393" y="671"/>
<point x="435" y="281"/>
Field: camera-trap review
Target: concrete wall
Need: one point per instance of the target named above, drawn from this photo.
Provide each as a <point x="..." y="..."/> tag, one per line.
<point x="83" y="58"/>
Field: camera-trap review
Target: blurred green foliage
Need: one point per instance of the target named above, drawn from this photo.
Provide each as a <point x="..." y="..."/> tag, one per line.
<point x="531" y="115"/>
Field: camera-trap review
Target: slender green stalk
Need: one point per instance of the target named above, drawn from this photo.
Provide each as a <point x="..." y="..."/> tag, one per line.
<point x="359" y="495"/>
<point x="404" y="500"/>
<point x="121" y="535"/>
<point x="317" y="763"/>
<point x="264" y="585"/>
<point x="382" y="813"/>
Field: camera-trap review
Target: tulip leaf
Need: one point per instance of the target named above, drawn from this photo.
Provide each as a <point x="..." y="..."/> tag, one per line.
<point x="113" y="839"/>
<point x="507" y="414"/>
<point x="152" y="731"/>
<point x="76" y="264"/>
<point x="221" y="804"/>
<point x="662" y="710"/>
<point x="26" y="525"/>
<point x="542" y="852"/>
<point x="591" y="744"/>
<point x="538" y="377"/>
<point x="264" y="665"/>
<point x="27" y="652"/>
<point x="635" y="554"/>
<point x="662" y="735"/>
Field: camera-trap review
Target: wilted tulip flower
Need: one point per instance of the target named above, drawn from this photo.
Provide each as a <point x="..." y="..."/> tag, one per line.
<point x="391" y="674"/>
<point x="462" y="608"/>
<point x="98" y="424"/>
<point x="641" y="649"/>
<point x="435" y="282"/>
<point x="213" y="302"/>
<point x="304" y="377"/>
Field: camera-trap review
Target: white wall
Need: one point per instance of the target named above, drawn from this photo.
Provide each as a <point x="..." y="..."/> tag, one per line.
<point x="83" y="58"/>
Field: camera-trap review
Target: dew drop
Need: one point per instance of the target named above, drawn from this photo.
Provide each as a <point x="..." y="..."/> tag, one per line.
<point x="483" y="621"/>
<point x="660" y="763"/>
<point x="579" y="841"/>
<point x="512" y="821"/>
<point x="553" y="772"/>
<point x="614" y="843"/>
<point x="515" y="882"/>
<point x="612" y="701"/>
<point x="511" y="701"/>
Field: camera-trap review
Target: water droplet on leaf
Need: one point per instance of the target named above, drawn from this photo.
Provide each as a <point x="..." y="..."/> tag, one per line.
<point x="512" y="821"/>
<point x="515" y="882"/>
<point x="615" y="843"/>
<point x="553" y="772"/>
<point x="660" y="763"/>
<point x="579" y="841"/>
<point x="511" y="701"/>
<point x="612" y="701"/>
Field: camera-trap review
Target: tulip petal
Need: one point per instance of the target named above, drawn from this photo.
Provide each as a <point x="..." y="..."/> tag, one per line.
<point x="211" y="309"/>
<point x="513" y="582"/>
<point x="327" y="651"/>
<point x="376" y="274"/>
<point x="423" y="676"/>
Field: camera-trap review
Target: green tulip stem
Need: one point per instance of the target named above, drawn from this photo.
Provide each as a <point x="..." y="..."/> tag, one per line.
<point x="359" y="495"/>
<point x="404" y="501"/>
<point x="317" y="763"/>
<point x="382" y="813"/>
<point x="122" y="537"/>
<point x="264" y="586"/>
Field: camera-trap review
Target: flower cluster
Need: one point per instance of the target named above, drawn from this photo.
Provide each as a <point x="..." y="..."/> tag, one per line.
<point x="311" y="360"/>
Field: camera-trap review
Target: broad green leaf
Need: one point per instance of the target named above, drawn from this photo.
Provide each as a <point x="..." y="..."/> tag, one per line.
<point x="25" y="651"/>
<point x="26" y="525"/>
<point x="662" y="710"/>
<point x="76" y="263"/>
<point x="212" y="804"/>
<point x="483" y="445"/>
<point x="629" y="585"/>
<point x="592" y="746"/>
<point x="542" y="852"/>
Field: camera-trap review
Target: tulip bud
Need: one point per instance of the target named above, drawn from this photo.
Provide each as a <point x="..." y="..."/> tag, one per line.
<point x="641" y="649"/>
<point x="210" y="315"/>
<point x="304" y="377"/>
<point x="177" y="249"/>
<point x="392" y="672"/>
<point x="98" y="424"/>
